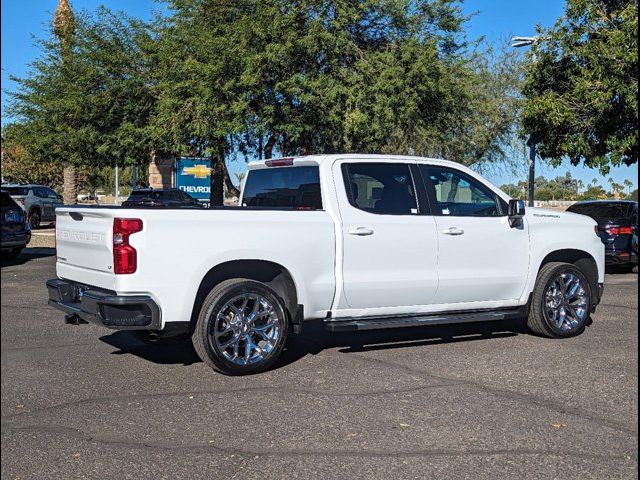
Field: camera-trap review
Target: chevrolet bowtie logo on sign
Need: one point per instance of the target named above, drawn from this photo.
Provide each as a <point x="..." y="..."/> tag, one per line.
<point x="198" y="171"/>
<point x="193" y="176"/>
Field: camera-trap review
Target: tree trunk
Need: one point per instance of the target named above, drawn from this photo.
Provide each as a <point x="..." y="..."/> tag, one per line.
<point x="216" y="196"/>
<point x="70" y="185"/>
<point x="268" y="148"/>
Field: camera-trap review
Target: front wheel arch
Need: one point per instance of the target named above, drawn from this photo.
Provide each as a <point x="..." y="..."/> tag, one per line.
<point x="581" y="259"/>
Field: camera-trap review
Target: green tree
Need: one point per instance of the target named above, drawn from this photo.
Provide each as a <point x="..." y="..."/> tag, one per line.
<point x="87" y="107"/>
<point x="268" y="78"/>
<point x="582" y="89"/>
<point x="20" y="167"/>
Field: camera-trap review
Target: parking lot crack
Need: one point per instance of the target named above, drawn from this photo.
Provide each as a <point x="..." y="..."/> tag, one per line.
<point x="207" y="449"/>
<point x="512" y="395"/>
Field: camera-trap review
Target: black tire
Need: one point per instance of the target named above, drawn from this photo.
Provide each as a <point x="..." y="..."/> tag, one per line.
<point x="11" y="254"/>
<point x="209" y="351"/>
<point x="34" y="219"/>
<point x="538" y="320"/>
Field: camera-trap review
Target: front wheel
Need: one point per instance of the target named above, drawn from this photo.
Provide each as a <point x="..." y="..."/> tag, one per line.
<point x="241" y="328"/>
<point x="561" y="302"/>
<point x="34" y="219"/>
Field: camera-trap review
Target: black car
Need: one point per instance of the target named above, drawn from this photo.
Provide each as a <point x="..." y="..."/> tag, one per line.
<point x="617" y="227"/>
<point x="165" y="198"/>
<point x="15" y="229"/>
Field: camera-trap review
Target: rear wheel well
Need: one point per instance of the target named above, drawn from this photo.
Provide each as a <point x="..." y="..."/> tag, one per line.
<point x="581" y="259"/>
<point x="271" y="274"/>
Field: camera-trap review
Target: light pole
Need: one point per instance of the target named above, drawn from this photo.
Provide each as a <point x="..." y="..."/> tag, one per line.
<point x="518" y="42"/>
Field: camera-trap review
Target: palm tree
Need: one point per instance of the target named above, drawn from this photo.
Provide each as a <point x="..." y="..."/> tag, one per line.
<point x="628" y="183"/>
<point x="64" y="26"/>
<point x="239" y="177"/>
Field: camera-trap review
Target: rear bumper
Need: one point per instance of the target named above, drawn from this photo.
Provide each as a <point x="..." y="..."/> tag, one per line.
<point x="15" y="240"/>
<point x="86" y="304"/>
<point x="621" y="258"/>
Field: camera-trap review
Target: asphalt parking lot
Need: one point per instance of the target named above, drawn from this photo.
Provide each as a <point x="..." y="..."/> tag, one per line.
<point x="475" y="401"/>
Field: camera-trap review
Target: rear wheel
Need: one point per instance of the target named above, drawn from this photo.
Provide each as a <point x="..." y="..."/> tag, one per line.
<point x="34" y="219"/>
<point x="242" y="327"/>
<point x="561" y="302"/>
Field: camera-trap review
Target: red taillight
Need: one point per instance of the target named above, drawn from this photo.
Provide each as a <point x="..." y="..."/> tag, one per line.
<point x="620" y="231"/>
<point x="280" y="162"/>
<point x="125" y="258"/>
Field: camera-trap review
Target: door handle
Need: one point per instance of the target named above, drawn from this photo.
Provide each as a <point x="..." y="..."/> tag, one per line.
<point x="361" y="231"/>
<point x="453" y="231"/>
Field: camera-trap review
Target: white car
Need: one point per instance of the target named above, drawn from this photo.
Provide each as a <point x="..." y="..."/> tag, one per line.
<point x="360" y="241"/>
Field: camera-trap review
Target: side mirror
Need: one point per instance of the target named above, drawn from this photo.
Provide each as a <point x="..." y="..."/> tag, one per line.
<point x="517" y="209"/>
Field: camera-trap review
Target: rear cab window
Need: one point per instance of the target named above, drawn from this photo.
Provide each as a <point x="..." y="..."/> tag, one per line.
<point x="295" y="187"/>
<point x="618" y="212"/>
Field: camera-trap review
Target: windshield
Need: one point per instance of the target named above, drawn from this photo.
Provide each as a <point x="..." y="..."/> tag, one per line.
<point x="142" y="195"/>
<point x="21" y="191"/>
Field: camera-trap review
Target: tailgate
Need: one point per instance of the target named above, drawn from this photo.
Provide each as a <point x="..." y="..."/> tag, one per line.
<point x="84" y="243"/>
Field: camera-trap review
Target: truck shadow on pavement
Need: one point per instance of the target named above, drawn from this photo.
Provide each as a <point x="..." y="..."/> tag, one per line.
<point x="315" y="339"/>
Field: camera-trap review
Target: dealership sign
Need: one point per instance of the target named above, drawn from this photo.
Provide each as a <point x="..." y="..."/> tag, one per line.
<point x="193" y="177"/>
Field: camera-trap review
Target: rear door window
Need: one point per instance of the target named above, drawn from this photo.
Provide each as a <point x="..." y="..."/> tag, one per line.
<point x="381" y="188"/>
<point x="284" y="187"/>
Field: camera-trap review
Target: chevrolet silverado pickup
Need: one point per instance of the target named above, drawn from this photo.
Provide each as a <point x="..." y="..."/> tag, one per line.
<point x="359" y="241"/>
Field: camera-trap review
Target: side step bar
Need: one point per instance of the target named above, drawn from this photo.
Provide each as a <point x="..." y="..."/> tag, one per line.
<point x="376" y="323"/>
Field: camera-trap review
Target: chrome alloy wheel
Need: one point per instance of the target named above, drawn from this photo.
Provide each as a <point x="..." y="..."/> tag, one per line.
<point x="566" y="302"/>
<point x="246" y="329"/>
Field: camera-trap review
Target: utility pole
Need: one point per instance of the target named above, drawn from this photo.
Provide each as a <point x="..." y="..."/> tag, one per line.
<point x="117" y="181"/>
<point x="518" y="42"/>
<point x="532" y="174"/>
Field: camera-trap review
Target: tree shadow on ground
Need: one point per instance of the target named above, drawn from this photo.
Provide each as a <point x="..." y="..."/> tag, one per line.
<point x="315" y="339"/>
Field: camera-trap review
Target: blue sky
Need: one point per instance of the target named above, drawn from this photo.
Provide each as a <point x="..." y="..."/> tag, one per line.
<point x="496" y="20"/>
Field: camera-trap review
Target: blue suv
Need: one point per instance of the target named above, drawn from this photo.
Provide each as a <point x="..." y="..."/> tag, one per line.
<point x="15" y="230"/>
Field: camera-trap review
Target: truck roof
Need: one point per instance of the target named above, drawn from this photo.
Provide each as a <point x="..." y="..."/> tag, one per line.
<point x="319" y="159"/>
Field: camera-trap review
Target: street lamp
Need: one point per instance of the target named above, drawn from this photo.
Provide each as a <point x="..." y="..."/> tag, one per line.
<point x="518" y="42"/>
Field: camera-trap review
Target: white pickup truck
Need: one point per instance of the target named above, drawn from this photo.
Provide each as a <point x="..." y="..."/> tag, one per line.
<point x="360" y="241"/>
